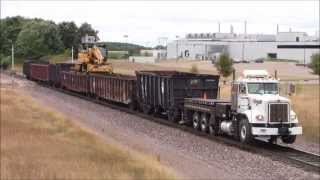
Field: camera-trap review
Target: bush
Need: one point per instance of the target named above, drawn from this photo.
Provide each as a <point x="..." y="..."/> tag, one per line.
<point x="224" y="65"/>
<point x="5" y="61"/>
<point x="194" y="69"/>
<point x="315" y="63"/>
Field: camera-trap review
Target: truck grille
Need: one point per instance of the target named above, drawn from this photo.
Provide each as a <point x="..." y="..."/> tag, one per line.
<point x="278" y="113"/>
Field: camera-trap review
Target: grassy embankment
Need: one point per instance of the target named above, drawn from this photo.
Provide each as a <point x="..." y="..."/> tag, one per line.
<point x="305" y="102"/>
<point x="38" y="143"/>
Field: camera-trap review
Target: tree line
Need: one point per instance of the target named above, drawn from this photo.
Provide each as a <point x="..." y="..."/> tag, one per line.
<point x="34" y="38"/>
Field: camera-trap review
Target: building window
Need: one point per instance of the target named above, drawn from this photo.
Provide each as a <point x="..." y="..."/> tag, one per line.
<point x="297" y="39"/>
<point x="272" y="55"/>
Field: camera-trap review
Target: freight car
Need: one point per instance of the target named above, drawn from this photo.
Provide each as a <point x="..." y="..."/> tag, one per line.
<point x="255" y="109"/>
<point x="45" y="72"/>
<point x="75" y="81"/>
<point x="164" y="91"/>
<point x="115" y="88"/>
<point x="55" y="70"/>
<point x="27" y="67"/>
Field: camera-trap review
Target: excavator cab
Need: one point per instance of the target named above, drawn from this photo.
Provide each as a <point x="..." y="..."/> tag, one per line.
<point x="91" y="59"/>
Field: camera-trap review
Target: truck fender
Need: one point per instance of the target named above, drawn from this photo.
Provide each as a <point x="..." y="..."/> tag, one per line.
<point x="244" y="115"/>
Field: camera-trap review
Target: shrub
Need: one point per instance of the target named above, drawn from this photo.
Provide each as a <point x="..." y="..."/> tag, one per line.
<point x="315" y="63"/>
<point x="4" y="61"/>
<point x="194" y="69"/>
<point x="224" y="65"/>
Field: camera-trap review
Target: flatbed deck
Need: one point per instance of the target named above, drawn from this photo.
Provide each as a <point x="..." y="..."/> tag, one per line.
<point x="208" y="102"/>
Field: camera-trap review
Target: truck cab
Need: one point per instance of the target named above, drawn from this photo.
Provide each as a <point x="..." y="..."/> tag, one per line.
<point x="260" y="111"/>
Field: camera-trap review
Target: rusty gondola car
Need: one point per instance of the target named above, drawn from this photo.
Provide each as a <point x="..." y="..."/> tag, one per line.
<point x="114" y="87"/>
<point x="55" y="70"/>
<point x="27" y="67"/>
<point x="39" y="72"/>
<point x="75" y="81"/>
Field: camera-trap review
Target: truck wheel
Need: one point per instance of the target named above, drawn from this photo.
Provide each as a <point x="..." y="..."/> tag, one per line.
<point x="172" y="115"/>
<point x="245" y="131"/>
<point x="146" y="109"/>
<point x="132" y="106"/>
<point x="195" y="121"/>
<point x="204" y="123"/>
<point x="213" y="130"/>
<point x="288" y="139"/>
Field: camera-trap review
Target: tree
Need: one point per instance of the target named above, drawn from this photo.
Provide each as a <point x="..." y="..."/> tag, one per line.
<point x="86" y="29"/>
<point x="224" y="65"/>
<point x="315" y="63"/>
<point x="9" y="30"/>
<point x="39" y="38"/>
<point x="69" y="34"/>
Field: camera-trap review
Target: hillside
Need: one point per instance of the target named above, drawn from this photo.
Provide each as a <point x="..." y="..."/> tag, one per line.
<point x="119" y="46"/>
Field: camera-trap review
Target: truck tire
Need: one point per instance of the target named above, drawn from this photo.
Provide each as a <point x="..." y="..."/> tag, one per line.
<point x="196" y="121"/>
<point x="245" y="135"/>
<point x="214" y="126"/>
<point x="213" y="130"/>
<point x="204" y="122"/>
<point x="290" y="139"/>
<point x="172" y="115"/>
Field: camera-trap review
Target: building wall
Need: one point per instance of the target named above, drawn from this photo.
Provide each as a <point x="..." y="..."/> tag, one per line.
<point x="202" y="50"/>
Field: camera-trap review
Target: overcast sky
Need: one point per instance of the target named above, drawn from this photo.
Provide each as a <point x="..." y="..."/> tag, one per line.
<point x="144" y="22"/>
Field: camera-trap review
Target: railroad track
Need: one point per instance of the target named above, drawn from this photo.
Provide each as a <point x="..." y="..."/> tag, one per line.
<point x="294" y="157"/>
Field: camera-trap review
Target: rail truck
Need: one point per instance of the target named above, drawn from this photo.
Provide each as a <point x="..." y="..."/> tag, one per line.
<point x="256" y="110"/>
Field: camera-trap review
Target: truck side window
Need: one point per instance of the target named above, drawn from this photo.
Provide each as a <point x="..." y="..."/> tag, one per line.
<point x="242" y="88"/>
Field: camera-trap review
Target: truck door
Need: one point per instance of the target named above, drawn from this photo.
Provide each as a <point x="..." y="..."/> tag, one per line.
<point x="234" y="96"/>
<point x="243" y="101"/>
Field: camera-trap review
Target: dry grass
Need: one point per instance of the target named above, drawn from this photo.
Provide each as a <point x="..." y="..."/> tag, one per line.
<point x="286" y="70"/>
<point x="305" y="102"/>
<point x="38" y="143"/>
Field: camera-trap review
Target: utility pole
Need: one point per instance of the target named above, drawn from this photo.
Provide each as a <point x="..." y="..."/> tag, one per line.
<point x="72" y="54"/>
<point x="304" y="56"/>
<point x="177" y="46"/>
<point x="243" y="49"/>
<point x="12" y="57"/>
<point x="126" y="37"/>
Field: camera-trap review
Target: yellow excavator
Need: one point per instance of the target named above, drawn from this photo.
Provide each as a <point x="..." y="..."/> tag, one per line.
<point x="91" y="59"/>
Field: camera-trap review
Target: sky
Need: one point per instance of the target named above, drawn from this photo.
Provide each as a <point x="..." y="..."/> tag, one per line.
<point x="149" y="23"/>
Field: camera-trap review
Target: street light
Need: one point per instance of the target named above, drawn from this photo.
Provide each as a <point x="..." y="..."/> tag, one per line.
<point x="126" y="37"/>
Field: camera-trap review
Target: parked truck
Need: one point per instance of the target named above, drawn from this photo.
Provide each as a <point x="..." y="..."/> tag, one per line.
<point x="256" y="110"/>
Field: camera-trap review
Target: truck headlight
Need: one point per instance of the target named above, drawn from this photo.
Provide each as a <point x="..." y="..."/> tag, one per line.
<point x="293" y="117"/>
<point x="259" y="117"/>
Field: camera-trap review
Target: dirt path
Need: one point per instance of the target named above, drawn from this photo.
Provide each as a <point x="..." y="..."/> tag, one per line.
<point x="191" y="156"/>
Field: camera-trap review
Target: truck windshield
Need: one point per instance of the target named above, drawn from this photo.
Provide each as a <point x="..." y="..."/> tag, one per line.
<point x="262" y="88"/>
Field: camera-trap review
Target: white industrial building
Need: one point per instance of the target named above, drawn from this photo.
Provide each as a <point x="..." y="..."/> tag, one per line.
<point x="283" y="45"/>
